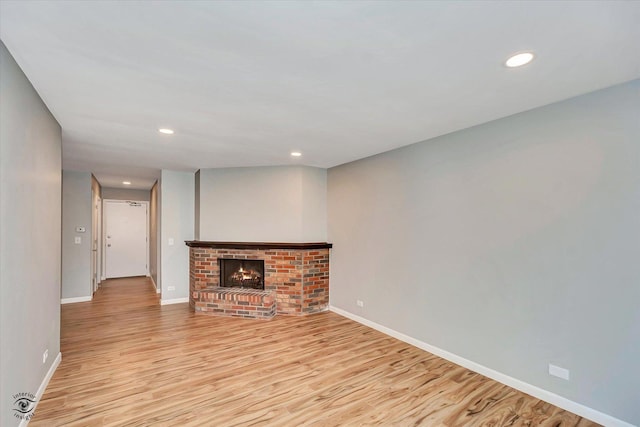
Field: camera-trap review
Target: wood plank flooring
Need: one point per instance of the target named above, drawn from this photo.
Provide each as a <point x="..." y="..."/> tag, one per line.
<point x="126" y="360"/>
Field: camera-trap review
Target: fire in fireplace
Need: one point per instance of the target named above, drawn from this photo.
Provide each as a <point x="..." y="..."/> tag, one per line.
<point x="241" y="273"/>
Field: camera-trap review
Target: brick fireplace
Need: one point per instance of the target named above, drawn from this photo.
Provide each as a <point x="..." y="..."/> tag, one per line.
<point x="296" y="279"/>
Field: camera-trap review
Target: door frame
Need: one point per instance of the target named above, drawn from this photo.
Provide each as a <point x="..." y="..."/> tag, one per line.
<point x="96" y="241"/>
<point x="104" y="231"/>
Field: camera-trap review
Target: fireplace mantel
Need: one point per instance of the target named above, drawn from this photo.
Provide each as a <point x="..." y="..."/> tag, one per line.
<point x="257" y="245"/>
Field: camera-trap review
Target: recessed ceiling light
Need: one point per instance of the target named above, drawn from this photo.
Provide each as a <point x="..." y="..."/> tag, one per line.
<point x="126" y="182"/>
<point x="296" y="154"/>
<point x="519" y="59"/>
<point x="166" y="131"/>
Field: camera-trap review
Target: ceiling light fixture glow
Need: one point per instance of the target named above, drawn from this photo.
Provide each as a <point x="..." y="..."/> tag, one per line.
<point x="126" y="182"/>
<point x="296" y="154"/>
<point x="166" y="131"/>
<point x="519" y="59"/>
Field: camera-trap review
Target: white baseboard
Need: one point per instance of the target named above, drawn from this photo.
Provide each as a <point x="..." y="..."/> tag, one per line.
<point x="153" y="283"/>
<point x="43" y="386"/>
<point x="542" y="394"/>
<point x="173" y="301"/>
<point x="76" y="299"/>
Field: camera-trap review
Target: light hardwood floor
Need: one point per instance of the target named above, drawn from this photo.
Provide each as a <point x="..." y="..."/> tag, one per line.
<point x="126" y="360"/>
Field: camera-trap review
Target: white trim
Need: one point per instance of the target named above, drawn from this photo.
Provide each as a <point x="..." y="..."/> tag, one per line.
<point x="75" y="299"/>
<point x="43" y="385"/>
<point x="174" y="301"/>
<point x="153" y="283"/>
<point x="547" y="396"/>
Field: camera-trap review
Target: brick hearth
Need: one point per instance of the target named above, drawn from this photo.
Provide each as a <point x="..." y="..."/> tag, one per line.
<point x="296" y="273"/>
<point x="252" y="303"/>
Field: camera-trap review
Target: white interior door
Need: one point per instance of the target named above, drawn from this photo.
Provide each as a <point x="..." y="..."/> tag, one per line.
<point x="125" y="238"/>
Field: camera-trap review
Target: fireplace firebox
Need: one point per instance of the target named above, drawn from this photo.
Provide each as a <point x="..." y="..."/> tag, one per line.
<point x="241" y="273"/>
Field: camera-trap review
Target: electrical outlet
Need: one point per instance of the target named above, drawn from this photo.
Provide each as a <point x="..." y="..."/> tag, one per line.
<point x="45" y="356"/>
<point x="171" y="288"/>
<point x="360" y="303"/>
<point x="559" y="372"/>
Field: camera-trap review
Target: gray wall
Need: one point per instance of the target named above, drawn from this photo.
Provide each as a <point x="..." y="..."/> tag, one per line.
<point x="513" y="244"/>
<point x="76" y="212"/>
<point x="177" y="208"/>
<point x="270" y="204"/>
<point x="111" y="193"/>
<point x="154" y="233"/>
<point x="313" y="204"/>
<point x="196" y="229"/>
<point x="30" y="198"/>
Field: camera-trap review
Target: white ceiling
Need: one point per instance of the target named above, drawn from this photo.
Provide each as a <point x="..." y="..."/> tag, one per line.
<point x="244" y="83"/>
